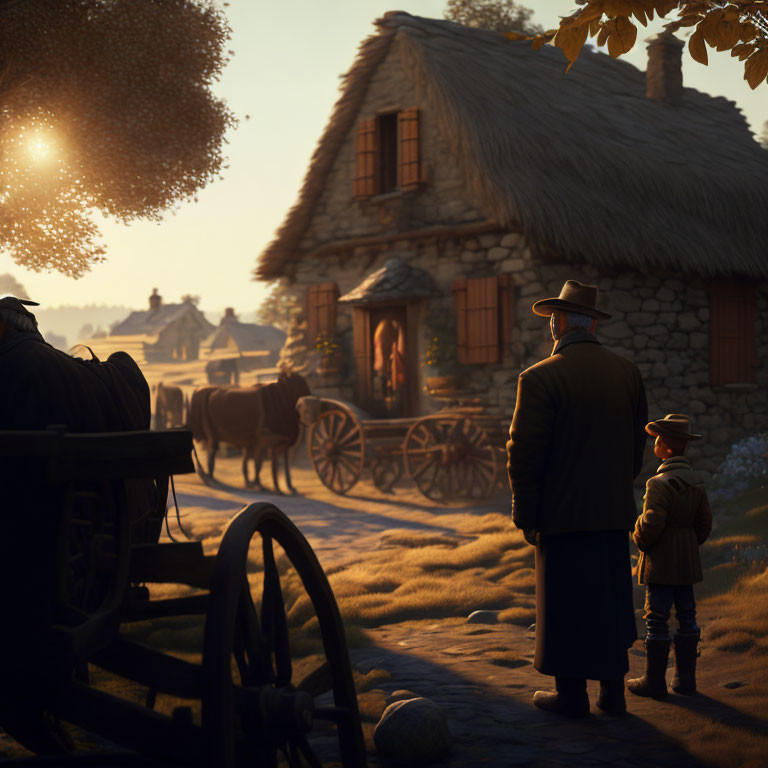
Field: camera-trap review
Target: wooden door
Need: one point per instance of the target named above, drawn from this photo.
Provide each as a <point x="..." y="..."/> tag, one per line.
<point x="386" y="356"/>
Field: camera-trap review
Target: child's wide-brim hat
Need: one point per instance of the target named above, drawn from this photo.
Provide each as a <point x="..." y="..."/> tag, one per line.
<point x="672" y="425"/>
<point x="574" y="297"/>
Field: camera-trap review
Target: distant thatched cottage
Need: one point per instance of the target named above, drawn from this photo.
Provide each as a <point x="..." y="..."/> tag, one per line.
<point x="477" y="166"/>
<point x="172" y="332"/>
<point x="235" y="347"/>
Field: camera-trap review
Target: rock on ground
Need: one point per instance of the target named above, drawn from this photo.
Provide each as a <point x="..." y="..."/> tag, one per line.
<point x="415" y="730"/>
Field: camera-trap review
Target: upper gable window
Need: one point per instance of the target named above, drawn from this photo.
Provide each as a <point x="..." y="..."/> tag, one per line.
<point x="387" y="154"/>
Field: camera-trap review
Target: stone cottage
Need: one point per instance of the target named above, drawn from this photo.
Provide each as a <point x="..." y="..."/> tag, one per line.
<point x="465" y="174"/>
<point x="172" y="332"/>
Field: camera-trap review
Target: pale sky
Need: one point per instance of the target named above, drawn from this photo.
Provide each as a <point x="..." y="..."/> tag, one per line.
<point x="285" y="75"/>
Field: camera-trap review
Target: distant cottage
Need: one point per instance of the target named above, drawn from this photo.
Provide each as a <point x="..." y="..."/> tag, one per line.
<point x="235" y="347"/>
<point x="174" y="331"/>
<point x="462" y="173"/>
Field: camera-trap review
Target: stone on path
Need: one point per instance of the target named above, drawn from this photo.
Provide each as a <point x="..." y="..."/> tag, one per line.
<point x="735" y="684"/>
<point x="483" y="617"/>
<point x="414" y="730"/>
<point x="401" y="694"/>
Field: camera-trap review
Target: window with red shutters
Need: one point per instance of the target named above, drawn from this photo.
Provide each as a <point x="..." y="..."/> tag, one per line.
<point x="732" y="357"/>
<point x="366" y="174"/>
<point x="321" y="310"/>
<point x="409" y="166"/>
<point x="388" y="154"/>
<point x="482" y="303"/>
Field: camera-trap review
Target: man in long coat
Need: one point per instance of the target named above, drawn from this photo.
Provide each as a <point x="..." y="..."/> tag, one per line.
<point x="576" y="445"/>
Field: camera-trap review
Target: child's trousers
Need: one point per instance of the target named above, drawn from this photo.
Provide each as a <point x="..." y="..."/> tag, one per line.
<point x="658" y="606"/>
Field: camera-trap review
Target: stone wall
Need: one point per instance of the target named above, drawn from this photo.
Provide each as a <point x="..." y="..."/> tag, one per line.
<point x="659" y="321"/>
<point x="442" y="199"/>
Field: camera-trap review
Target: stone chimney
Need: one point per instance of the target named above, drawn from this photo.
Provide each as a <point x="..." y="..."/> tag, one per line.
<point x="664" y="75"/>
<point x="229" y="315"/>
<point x="155" y="300"/>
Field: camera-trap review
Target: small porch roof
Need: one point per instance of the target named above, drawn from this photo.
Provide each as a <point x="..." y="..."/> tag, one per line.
<point x="395" y="281"/>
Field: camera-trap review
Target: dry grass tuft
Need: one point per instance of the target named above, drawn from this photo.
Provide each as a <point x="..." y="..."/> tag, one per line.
<point x="506" y="659"/>
<point x="521" y="615"/>
<point x="735" y="641"/>
<point x="411" y="540"/>
<point x="366" y="681"/>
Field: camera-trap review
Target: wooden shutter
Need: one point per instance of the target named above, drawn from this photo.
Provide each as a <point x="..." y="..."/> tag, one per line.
<point x="366" y="174"/>
<point x="361" y="340"/>
<point x="321" y="310"/>
<point x="408" y="169"/>
<point x="732" y="358"/>
<point x="477" y="319"/>
<point x="506" y="308"/>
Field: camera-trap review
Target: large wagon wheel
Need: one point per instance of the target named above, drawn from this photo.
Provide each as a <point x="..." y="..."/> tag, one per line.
<point x="252" y="708"/>
<point x="336" y="447"/>
<point x="450" y="458"/>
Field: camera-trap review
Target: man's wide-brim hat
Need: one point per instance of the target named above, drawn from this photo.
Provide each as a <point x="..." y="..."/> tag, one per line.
<point x="18" y="305"/>
<point x="574" y="297"/>
<point x="672" y="425"/>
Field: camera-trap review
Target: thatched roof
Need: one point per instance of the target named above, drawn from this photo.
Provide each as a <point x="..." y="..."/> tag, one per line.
<point x="248" y="337"/>
<point x="584" y="163"/>
<point x="153" y="321"/>
<point x="396" y="280"/>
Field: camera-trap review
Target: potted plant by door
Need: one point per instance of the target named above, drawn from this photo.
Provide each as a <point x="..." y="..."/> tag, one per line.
<point x="441" y="356"/>
<point x="329" y="367"/>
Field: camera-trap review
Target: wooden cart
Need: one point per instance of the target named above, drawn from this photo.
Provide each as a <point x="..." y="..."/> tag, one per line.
<point x="77" y="572"/>
<point x="456" y="454"/>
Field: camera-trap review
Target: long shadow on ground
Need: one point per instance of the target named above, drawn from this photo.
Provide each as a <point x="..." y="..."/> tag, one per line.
<point x="498" y="729"/>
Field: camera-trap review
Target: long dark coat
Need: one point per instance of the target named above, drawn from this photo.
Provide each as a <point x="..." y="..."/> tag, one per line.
<point x="676" y="519"/>
<point x="576" y="445"/>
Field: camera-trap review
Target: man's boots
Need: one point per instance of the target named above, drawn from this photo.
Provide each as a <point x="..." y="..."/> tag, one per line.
<point x="653" y="683"/>
<point x="686" y="651"/>
<point x="611" y="696"/>
<point x="570" y="700"/>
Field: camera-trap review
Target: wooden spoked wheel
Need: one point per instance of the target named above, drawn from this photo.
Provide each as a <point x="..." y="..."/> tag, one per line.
<point x="253" y="712"/>
<point x="449" y="458"/>
<point x="336" y="448"/>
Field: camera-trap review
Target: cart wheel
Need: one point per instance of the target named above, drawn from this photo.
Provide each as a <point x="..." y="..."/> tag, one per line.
<point x="336" y="447"/>
<point x="252" y="709"/>
<point x="450" y="459"/>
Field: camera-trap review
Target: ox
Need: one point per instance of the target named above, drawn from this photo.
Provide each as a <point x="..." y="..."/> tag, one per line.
<point x="255" y="419"/>
<point x="169" y="406"/>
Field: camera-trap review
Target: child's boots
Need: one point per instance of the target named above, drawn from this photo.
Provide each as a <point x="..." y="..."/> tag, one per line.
<point x="686" y="652"/>
<point x="653" y="683"/>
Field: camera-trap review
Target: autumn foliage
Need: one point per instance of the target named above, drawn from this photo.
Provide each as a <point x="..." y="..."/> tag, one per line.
<point x="105" y="105"/>
<point x="738" y="26"/>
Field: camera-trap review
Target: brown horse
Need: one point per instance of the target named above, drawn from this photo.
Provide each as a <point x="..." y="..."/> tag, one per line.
<point x="169" y="406"/>
<point x="255" y="419"/>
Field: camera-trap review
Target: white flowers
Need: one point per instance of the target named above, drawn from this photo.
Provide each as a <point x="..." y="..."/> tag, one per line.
<point x="745" y="466"/>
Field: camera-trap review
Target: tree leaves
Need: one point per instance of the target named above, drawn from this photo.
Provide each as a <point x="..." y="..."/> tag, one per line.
<point x="623" y="37"/>
<point x="698" y="48"/>
<point x="756" y="68"/>
<point x="124" y="91"/>
<point x="738" y="26"/>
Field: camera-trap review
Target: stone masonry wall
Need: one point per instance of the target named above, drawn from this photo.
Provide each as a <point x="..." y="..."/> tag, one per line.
<point x="660" y="322"/>
<point x="442" y="199"/>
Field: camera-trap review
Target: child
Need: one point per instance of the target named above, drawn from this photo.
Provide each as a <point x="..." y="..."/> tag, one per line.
<point x="676" y="519"/>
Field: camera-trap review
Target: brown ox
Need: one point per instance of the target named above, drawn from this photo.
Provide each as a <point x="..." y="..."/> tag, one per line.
<point x="169" y="406"/>
<point x="255" y="419"/>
